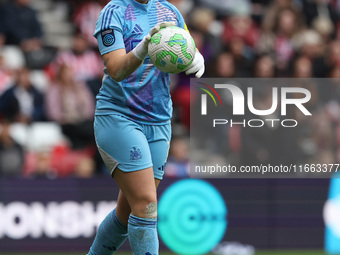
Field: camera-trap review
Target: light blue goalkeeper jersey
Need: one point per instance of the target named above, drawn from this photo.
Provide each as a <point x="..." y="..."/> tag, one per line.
<point x="143" y="96"/>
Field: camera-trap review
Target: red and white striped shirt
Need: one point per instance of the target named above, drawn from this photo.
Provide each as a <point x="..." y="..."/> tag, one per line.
<point x="85" y="19"/>
<point x="85" y="66"/>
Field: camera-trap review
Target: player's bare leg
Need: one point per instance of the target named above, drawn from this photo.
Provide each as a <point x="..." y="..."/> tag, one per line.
<point x="112" y="233"/>
<point x="139" y="190"/>
<point x="123" y="209"/>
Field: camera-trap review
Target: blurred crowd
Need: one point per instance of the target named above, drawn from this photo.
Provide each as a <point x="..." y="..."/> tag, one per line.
<point x="43" y="83"/>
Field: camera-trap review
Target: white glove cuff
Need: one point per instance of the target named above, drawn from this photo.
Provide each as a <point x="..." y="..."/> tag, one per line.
<point x="141" y="51"/>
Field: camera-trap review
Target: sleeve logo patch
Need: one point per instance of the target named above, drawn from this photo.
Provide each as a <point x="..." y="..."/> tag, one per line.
<point x="108" y="37"/>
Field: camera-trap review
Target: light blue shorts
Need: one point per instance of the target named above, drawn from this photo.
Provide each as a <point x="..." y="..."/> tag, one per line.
<point x="130" y="146"/>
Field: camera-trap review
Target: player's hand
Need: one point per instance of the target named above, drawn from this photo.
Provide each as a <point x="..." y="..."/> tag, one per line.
<point x="141" y="50"/>
<point x="158" y="27"/>
<point x="197" y="65"/>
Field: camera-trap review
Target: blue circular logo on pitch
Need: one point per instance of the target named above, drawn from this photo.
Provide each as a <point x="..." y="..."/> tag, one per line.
<point x="191" y="217"/>
<point x="108" y="40"/>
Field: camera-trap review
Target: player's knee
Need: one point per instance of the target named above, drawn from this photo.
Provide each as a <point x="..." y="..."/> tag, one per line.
<point x="146" y="207"/>
<point x="151" y="210"/>
<point x="147" y="210"/>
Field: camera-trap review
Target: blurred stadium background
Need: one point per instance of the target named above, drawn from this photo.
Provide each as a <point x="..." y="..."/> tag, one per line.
<point x="54" y="188"/>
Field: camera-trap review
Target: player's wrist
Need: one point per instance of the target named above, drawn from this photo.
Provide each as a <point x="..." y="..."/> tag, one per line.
<point x="141" y="50"/>
<point x="197" y="66"/>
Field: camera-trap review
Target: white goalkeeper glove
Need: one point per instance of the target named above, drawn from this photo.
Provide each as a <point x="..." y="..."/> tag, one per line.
<point x="141" y="50"/>
<point x="197" y="65"/>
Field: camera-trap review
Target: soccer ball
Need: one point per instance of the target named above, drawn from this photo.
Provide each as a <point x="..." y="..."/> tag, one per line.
<point x="172" y="49"/>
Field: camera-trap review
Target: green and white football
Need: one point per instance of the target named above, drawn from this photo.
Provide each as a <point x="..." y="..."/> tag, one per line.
<point x="172" y="49"/>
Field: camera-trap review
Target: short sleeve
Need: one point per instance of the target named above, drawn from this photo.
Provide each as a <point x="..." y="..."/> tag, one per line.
<point x="110" y="40"/>
<point x="109" y="29"/>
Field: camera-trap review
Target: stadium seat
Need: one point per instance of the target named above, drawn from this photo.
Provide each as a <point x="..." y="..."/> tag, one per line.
<point x="39" y="79"/>
<point x="13" y="57"/>
<point x="39" y="136"/>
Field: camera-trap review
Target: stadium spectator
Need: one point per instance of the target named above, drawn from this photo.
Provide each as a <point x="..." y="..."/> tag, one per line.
<point x="264" y="67"/>
<point x="28" y="35"/>
<point x="279" y="40"/>
<point x="70" y="103"/>
<point x="243" y="57"/>
<point x="85" y="63"/>
<point x="226" y="7"/>
<point x="85" y="168"/>
<point x="240" y="25"/>
<point x="312" y="45"/>
<point x="240" y="35"/>
<point x="178" y="161"/>
<point x="335" y="73"/>
<point x="11" y="153"/>
<point x="184" y="6"/>
<point x="38" y="165"/>
<point x="206" y="31"/>
<point x="273" y="10"/>
<point x="320" y="14"/>
<point x="222" y="66"/>
<point x="333" y="54"/>
<point x="85" y="18"/>
<point x="21" y="25"/>
<point x="22" y="102"/>
<point x="6" y="78"/>
<point x="303" y="68"/>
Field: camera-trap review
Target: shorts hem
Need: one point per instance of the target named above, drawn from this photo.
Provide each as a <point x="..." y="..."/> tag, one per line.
<point x="159" y="177"/>
<point x="132" y="169"/>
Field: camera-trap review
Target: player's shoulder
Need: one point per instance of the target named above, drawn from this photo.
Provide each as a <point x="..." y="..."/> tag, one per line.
<point x="167" y="4"/>
<point x="111" y="15"/>
<point x="114" y="5"/>
<point x="174" y="10"/>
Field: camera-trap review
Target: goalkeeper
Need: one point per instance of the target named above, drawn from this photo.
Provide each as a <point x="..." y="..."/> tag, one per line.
<point x="132" y="120"/>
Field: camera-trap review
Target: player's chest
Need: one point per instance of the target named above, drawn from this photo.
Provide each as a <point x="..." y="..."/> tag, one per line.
<point x="138" y="26"/>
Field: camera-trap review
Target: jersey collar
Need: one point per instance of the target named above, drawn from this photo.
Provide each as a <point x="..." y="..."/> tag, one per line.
<point x="142" y="7"/>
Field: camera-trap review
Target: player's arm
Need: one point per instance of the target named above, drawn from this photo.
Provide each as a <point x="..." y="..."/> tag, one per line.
<point x="121" y="65"/>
